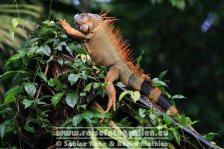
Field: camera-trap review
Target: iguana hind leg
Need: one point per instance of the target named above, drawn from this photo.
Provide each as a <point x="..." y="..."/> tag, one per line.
<point x="112" y="75"/>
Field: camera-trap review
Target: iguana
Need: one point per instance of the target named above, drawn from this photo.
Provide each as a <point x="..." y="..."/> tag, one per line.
<point x="106" y="47"/>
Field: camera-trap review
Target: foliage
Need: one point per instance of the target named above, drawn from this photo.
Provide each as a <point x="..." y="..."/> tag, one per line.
<point x="13" y="24"/>
<point x="55" y="84"/>
<point x="17" y="22"/>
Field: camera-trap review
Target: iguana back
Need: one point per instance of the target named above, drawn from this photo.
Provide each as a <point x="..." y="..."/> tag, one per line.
<point x="106" y="48"/>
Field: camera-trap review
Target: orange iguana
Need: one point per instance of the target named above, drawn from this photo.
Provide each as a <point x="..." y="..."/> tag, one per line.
<point x="105" y="46"/>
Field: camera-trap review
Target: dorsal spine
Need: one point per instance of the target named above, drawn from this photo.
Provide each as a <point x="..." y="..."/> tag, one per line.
<point x="122" y="48"/>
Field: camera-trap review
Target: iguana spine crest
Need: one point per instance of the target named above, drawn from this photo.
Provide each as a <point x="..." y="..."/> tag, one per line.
<point x="123" y="49"/>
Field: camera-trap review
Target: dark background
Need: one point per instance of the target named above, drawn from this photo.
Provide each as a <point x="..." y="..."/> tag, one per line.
<point x="185" y="38"/>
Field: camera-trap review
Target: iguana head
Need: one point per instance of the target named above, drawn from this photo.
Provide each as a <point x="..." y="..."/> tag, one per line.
<point x="86" y="22"/>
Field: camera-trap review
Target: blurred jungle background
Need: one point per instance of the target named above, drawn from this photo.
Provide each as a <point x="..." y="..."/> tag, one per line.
<point x="184" y="37"/>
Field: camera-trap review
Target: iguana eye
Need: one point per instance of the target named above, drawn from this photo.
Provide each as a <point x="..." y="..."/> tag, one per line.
<point x="82" y="15"/>
<point x="85" y="28"/>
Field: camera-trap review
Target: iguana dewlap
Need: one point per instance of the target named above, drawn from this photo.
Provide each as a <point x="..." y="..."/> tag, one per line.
<point x="105" y="46"/>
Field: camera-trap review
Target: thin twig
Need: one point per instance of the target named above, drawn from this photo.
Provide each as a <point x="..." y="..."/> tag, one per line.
<point x="45" y="73"/>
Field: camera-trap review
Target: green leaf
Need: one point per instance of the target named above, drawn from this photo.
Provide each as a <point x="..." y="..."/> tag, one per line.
<point x="55" y="82"/>
<point x="168" y="112"/>
<point x="167" y="120"/>
<point x="61" y="61"/>
<point x="48" y="49"/>
<point x="82" y="56"/>
<point x="132" y="133"/>
<point x="71" y="99"/>
<point x="89" y="115"/>
<point x="15" y="22"/>
<point x="159" y="82"/>
<point x="42" y="76"/>
<point x="82" y="94"/>
<point x="123" y="94"/>
<point x="88" y="87"/>
<point x="162" y="74"/>
<point x="27" y="102"/>
<point x="49" y="23"/>
<point x="141" y="112"/>
<point x="135" y="95"/>
<point x="97" y="144"/>
<point x="8" y="74"/>
<point x="64" y="36"/>
<point x="119" y="136"/>
<point x="82" y="106"/>
<point x="138" y="60"/>
<point x="10" y="95"/>
<point x="84" y="75"/>
<point x="5" y="110"/>
<point x="44" y="50"/>
<point x="7" y="127"/>
<point x="178" y="97"/>
<point x="210" y="136"/>
<point x="30" y="88"/>
<point x="194" y="122"/>
<point x="29" y="128"/>
<point x="183" y="119"/>
<point x="28" y="43"/>
<point x="2" y="129"/>
<point x="67" y="122"/>
<point x="46" y="31"/>
<point x="59" y="85"/>
<point x="56" y="98"/>
<point x="59" y="46"/>
<point x="176" y="134"/>
<point x="96" y="85"/>
<point x="77" y="119"/>
<point x="180" y="4"/>
<point x="73" y="78"/>
<point x="12" y="92"/>
<point x="51" y="82"/>
<point x="159" y="127"/>
<point x="12" y="33"/>
<point x="16" y="56"/>
<point x="176" y="117"/>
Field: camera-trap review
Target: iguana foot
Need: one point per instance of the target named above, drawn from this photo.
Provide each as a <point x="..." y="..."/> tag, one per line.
<point x="112" y="101"/>
<point x="66" y="26"/>
<point x="71" y="31"/>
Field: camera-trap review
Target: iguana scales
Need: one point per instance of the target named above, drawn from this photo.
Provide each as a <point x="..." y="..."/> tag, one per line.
<point x="106" y="47"/>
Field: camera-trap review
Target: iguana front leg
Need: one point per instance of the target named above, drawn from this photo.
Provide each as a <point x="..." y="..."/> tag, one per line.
<point x="112" y="75"/>
<point x="71" y="31"/>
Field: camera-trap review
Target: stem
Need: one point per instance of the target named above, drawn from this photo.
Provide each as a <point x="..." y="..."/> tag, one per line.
<point x="45" y="73"/>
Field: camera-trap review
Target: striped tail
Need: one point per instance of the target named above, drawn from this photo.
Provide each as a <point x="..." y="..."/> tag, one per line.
<point x="145" y="86"/>
<point x="156" y="96"/>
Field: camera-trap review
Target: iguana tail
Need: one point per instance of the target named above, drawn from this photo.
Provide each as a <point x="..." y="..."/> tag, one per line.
<point x="154" y="93"/>
<point x="147" y="88"/>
